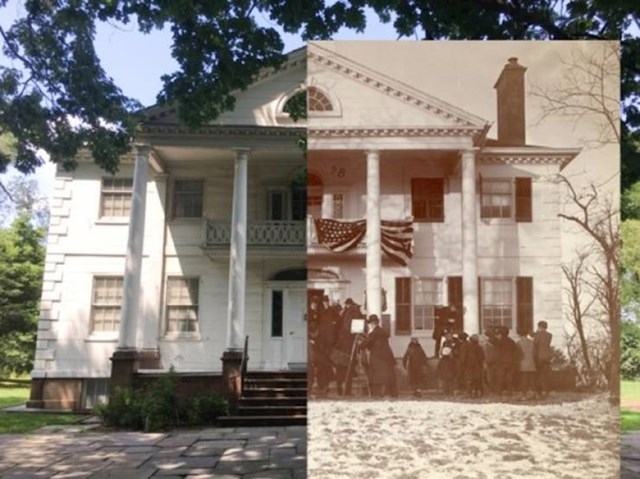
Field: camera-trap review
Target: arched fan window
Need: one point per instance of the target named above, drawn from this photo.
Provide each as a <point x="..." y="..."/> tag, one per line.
<point x="318" y="101"/>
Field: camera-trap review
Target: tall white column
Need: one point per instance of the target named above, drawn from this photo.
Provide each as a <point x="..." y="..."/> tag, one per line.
<point x="133" y="265"/>
<point x="374" y="251"/>
<point x="471" y="318"/>
<point x="238" y="254"/>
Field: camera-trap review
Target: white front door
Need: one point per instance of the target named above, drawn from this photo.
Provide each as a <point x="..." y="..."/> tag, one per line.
<point x="295" y="326"/>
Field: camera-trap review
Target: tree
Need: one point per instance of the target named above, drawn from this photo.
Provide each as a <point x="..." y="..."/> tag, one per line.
<point x="580" y="300"/>
<point x="21" y="267"/>
<point x="587" y="91"/>
<point x="595" y="215"/>
<point x="60" y="98"/>
<point x="21" y="196"/>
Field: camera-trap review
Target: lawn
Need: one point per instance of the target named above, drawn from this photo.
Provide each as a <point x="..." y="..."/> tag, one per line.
<point x="629" y="418"/>
<point x="14" y="392"/>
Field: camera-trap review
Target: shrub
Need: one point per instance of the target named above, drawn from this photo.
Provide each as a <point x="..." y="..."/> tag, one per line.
<point x="124" y="409"/>
<point x="205" y="409"/>
<point x="158" y="407"/>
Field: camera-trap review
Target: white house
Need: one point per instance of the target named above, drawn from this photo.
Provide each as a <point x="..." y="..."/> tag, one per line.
<point x="407" y="198"/>
<point x="467" y="219"/>
<point x="148" y="261"/>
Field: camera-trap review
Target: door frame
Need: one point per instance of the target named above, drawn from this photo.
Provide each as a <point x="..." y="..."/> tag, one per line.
<point x="274" y="349"/>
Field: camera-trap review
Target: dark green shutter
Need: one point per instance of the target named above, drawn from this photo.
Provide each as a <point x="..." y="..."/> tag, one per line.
<point x="523" y="200"/>
<point x="524" y="304"/>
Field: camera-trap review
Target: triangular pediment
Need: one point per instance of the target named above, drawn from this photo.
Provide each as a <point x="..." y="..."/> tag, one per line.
<point x="372" y="98"/>
<point x="257" y="105"/>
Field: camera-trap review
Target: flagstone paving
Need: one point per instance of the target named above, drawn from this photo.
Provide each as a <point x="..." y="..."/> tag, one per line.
<point x="630" y="455"/>
<point x="79" y="451"/>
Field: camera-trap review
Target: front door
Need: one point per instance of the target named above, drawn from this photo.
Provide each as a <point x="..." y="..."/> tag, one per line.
<point x="295" y="326"/>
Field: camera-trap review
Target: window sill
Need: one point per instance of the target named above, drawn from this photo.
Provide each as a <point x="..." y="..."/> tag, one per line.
<point x="181" y="337"/>
<point x="498" y="221"/>
<point x="102" y="338"/>
<point x="113" y="220"/>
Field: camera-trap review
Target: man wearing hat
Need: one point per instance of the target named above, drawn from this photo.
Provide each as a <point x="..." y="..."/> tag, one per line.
<point x="382" y="375"/>
<point x="324" y="343"/>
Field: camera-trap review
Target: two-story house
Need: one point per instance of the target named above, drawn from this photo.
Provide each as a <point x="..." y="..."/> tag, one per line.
<point x="416" y="207"/>
<point x="197" y="242"/>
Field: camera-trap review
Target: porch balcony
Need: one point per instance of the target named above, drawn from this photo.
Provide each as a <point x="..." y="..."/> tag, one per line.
<point x="263" y="237"/>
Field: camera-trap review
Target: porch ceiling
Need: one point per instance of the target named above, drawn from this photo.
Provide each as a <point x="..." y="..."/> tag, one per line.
<point x="185" y="156"/>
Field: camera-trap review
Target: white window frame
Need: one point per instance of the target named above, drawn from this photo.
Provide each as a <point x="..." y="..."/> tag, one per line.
<point x="168" y="305"/>
<point x="429" y="317"/>
<point x="512" y="301"/>
<point x="115" y="305"/>
<point x="114" y="191"/>
<point x="511" y="196"/>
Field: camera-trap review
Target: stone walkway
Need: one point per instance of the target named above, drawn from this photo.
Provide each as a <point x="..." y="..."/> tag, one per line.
<point x="78" y="451"/>
<point x="630" y="455"/>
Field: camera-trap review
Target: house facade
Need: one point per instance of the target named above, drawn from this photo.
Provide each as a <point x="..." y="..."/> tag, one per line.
<point x="415" y="206"/>
<point x="147" y="260"/>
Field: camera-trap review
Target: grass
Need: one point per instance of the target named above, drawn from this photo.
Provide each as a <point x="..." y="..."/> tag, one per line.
<point x="630" y="390"/>
<point x="14" y="392"/>
<point x="629" y="420"/>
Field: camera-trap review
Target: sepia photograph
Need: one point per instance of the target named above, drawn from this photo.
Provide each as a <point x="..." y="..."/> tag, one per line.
<point x="462" y="271"/>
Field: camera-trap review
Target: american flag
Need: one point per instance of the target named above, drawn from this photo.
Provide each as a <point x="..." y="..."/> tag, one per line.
<point x="396" y="236"/>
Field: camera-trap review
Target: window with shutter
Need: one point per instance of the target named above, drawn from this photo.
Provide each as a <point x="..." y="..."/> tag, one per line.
<point x="427" y="199"/>
<point x="523" y="200"/>
<point x="524" y="309"/>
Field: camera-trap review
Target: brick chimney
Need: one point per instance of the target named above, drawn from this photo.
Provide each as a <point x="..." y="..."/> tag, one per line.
<point x="511" y="114"/>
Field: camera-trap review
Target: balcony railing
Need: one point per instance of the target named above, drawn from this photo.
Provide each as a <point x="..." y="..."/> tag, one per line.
<point x="259" y="233"/>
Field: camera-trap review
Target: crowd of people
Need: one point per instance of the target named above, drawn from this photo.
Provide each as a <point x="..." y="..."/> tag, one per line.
<point x="491" y="363"/>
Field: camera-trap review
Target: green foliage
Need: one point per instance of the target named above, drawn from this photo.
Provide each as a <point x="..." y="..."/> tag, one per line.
<point x="205" y="409"/>
<point x="21" y="268"/>
<point x="630" y="263"/>
<point x="630" y="350"/>
<point x="220" y="48"/>
<point x="158" y="407"/>
<point x="629" y="420"/>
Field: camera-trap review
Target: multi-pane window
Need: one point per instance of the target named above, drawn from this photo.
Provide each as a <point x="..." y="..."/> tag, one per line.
<point x="277" y="205"/>
<point x="427" y="199"/>
<point x="187" y="198"/>
<point x="317" y="100"/>
<point x="106" y="303"/>
<point x="497" y="302"/>
<point x="496" y="198"/>
<point x="115" y="199"/>
<point x="182" y="304"/>
<point x="428" y="292"/>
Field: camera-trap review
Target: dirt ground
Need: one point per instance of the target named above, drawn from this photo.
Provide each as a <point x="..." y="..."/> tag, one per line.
<point x="569" y="436"/>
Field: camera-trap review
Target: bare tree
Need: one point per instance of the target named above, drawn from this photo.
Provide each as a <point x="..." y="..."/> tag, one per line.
<point x="580" y="301"/>
<point x="587" y="91"/>
<point x="597" y="216"/>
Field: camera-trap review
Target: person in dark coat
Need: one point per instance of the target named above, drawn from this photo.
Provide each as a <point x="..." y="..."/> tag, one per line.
<point x="542" y="354"/>
<point x="323" y="344"/>
<point x="446" y="370"/>
<point x="343" y="344"/>
<point x="507" y="361"/>
<point x="381" y="372"/>
<point x="415" y="362"/>
<point x="440" y="324"/>
<point x="460" y="357"/>
<point x="474" y="367"/>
